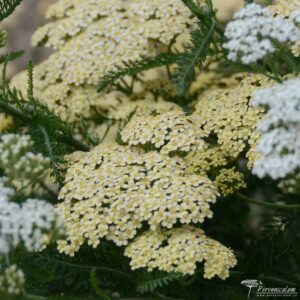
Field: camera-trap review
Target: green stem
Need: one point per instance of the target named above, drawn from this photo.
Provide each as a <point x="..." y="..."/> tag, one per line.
<point x="47" y="143"/>
<point x="161" y="296"/>
<point x="10" y="110"/>
<point x="33" y="297"/>
<point x="101" y="269"/>
<point x="194" y="8"/>
<point x="268" y="204"/>
<point x="202" y="14"/>
<point x="68" y="140"/>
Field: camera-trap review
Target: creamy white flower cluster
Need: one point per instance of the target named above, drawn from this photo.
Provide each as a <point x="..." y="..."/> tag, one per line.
<point x="93" y="36"/>
<point x="113" y="190"/>
<point x="170" y="132"/>
<point x="255" y="33"/>
<point x="179" y="250"/>
<point x="12" y="280"/>
<point x="17" y="159"/>
<point x="30" y="223"/>
<point x="279" y="147"/>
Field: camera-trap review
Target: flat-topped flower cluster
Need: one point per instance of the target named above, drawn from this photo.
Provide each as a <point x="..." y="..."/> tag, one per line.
<point x="256" y="33"/>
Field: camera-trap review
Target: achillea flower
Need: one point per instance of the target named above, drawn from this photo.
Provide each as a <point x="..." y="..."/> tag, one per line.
<point x="114" y="189"/>
<point x="30" y="224"/>
<point x="284" y="8"/>
<point x="279" y="146"/>
<point x="170" y="132"/>
<point x="12" y="280"/>
<point x="254" y="33"/>
<point x="92" y="37"/>
<point x="227" y="119"/>
<point x="288" y="9"/>
<point x="179" y="250"/>
<point x="18" y="161"/>
<point x="229" y="181"/>
<point x="83" y="102"/>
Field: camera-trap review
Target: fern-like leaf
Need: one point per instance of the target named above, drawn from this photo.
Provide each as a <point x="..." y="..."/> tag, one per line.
<point x="51" y="135"/>
<point x="7" y="7"/>
<point x="10" y="56"/>
<point x="3" y="37"/>
<point x="133" y="68"/>
<point x="149" y="282"/>
<point x="195" y="54"/>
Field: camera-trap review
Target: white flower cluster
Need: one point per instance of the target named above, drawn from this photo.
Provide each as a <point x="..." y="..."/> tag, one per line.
<point x="279" y="147"/>
<point x="30" y="223"/>
<point x="17" y="159"/>
<point x="295" y="16"/>
<point x="12" y="280"/>
<point x="254" y="33"/>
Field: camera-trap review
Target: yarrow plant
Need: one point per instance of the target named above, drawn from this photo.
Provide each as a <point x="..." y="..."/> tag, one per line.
<point x="31" y="225"/>
<point x="132" y="157"/>
<point x="19" y="163"/>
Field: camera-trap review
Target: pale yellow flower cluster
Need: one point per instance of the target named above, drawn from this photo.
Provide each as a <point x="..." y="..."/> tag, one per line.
<point x="170" y="132"/>
<point x="229" y="181"/>
<point x="228" y="120"/>
<point x="209" y="79"/>
<point x="92" y="37"/>
<point x="114" y="189"/>
<point x="284" y="9"/>
<point x="179" y="250"/>
<point x="83" y="102"/>
<point x="118" y="106"/>
<point x="70" y="103"/>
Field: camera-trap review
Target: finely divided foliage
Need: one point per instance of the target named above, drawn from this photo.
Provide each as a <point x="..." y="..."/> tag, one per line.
<point x="131" y="157"/>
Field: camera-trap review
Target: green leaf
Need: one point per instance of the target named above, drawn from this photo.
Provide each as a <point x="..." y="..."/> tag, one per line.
<point x="11" y="56"/>
<point x="195" y="54"/>
<point x="7" y="7"/>
<point x="3" y="37"/>
<point x="133" y="68"/>
<point x="149" y="282"/>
